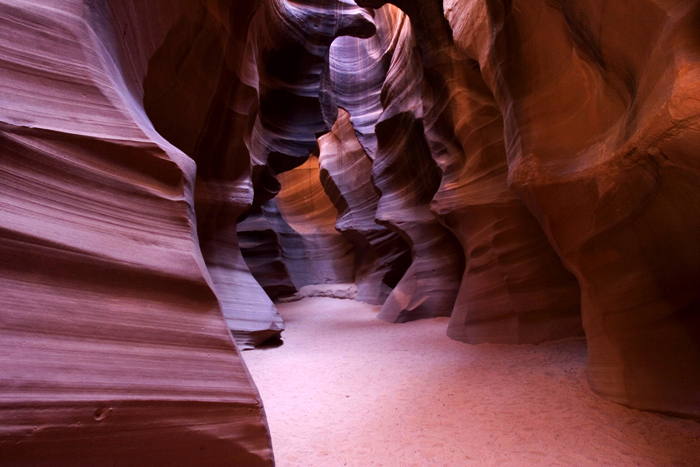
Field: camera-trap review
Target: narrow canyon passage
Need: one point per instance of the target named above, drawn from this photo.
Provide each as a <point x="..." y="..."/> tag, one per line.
<point x="346" y="389"/>
<point x="508" y="189"/>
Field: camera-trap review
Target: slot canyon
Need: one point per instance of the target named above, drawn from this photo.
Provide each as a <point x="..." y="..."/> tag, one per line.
<point x="327" y="233"/>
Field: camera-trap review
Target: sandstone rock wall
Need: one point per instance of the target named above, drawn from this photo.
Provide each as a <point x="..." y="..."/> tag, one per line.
<point x="321" y="254"/>
<point x="262" y="251"/>
<point x="382" y="256"/>
<point x="598" y="111"/>
<point x="520" y="150"/>
<point x="515" y="289"/>
<point x="114" y="347"/>
<point x="239" y="87"/>
<point x="385" y="108"/>
<point x="196" y="97"/>
<point x="601" y="133"/>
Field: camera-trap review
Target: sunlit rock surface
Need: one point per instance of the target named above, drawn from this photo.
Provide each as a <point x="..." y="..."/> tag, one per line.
<point x="320" y="254"/>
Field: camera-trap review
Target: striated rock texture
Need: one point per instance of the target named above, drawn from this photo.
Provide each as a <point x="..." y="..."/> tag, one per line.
<point x="403" y="170"/>
<point x="238" y="87"/>
<point x="515" y="289"/>
<point x="250" y="314"/>
<point x="497" y="141"/>
<point x="286" y="62"/>
<point x="196" y="98"/>
<point x="382" y="256"/>
<point x="602" y="129"/>
<point x="114" y="348"/>
<point x="318" y="253"/>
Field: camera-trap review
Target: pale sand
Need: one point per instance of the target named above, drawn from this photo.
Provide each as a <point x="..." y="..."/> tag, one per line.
<point x="348" y="390"/>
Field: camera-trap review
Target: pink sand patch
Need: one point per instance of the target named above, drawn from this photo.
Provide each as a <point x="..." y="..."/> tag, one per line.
<point x="346" y="389"/>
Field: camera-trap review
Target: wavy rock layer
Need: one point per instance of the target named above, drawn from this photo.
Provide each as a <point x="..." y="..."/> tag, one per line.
<point x="602" y="126"/>
<point x="385" y="107"/>
<point x="114" y="348"/>
<point x="382" y="256"/>
<point x="197" y="73"/>
<point x="503" y="139"/>
<point x="317" y="252"/>
<point x="515" y="289"/>
<point x="238" y="86"/>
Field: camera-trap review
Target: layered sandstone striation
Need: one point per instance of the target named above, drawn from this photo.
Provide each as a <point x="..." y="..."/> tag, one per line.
<point x="262" y="251"/>
<point x="382" y="256"/>
<point x="240" y="91"/>
<point x="385" y="108"/>
<point x="321" y="254"/>
<point x="515" y="289"/>
<point x="114" y="347"/>
<point x="516" y="165"/>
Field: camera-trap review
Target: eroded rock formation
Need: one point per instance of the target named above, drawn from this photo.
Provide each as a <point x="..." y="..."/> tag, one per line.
<point x="321" y="254"/>
<point x="387" y="113"/>
<point x="382" y="256"/>
<point x="601" y="124"/>
<point x="114" y="347"/>
<point x="240" y="90"/>
<point x="262" y="251"/>
<point x="499" y="141"/>
<point x="515" y="289"/>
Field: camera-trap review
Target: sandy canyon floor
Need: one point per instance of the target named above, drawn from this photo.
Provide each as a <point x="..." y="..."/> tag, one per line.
<point x="346" y="389"/>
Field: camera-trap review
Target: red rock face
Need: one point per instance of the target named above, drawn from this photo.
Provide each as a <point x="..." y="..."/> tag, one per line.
<point x="196" y="72"/>
<point x="514" y="289"/>
<point x="601" y="128"/>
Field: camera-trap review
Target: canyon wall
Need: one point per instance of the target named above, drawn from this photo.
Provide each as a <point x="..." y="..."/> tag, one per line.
<point x="564" y="134"/>
<point x="242" y="93"/>
<point x="134" y="137"/>
<point x="602" y="130"/>
<point x="384" y="103"/>
<point x="382" y="256"/>
<point x="439" y="132"/>
<point x="115" y="350"/>
<point x="260" y="245"/>
<point x="529" y="169"/>
<point x="321" y="255"/>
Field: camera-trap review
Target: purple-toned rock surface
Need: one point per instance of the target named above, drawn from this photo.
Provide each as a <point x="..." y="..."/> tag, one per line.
<point x="385" y="107"/>
<point x="519" y="166"/>
<point x="382" y="256"/>
<point x="249" y="79"/>
<point x="263" y="254"/>
<point x="115" y="351"/>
